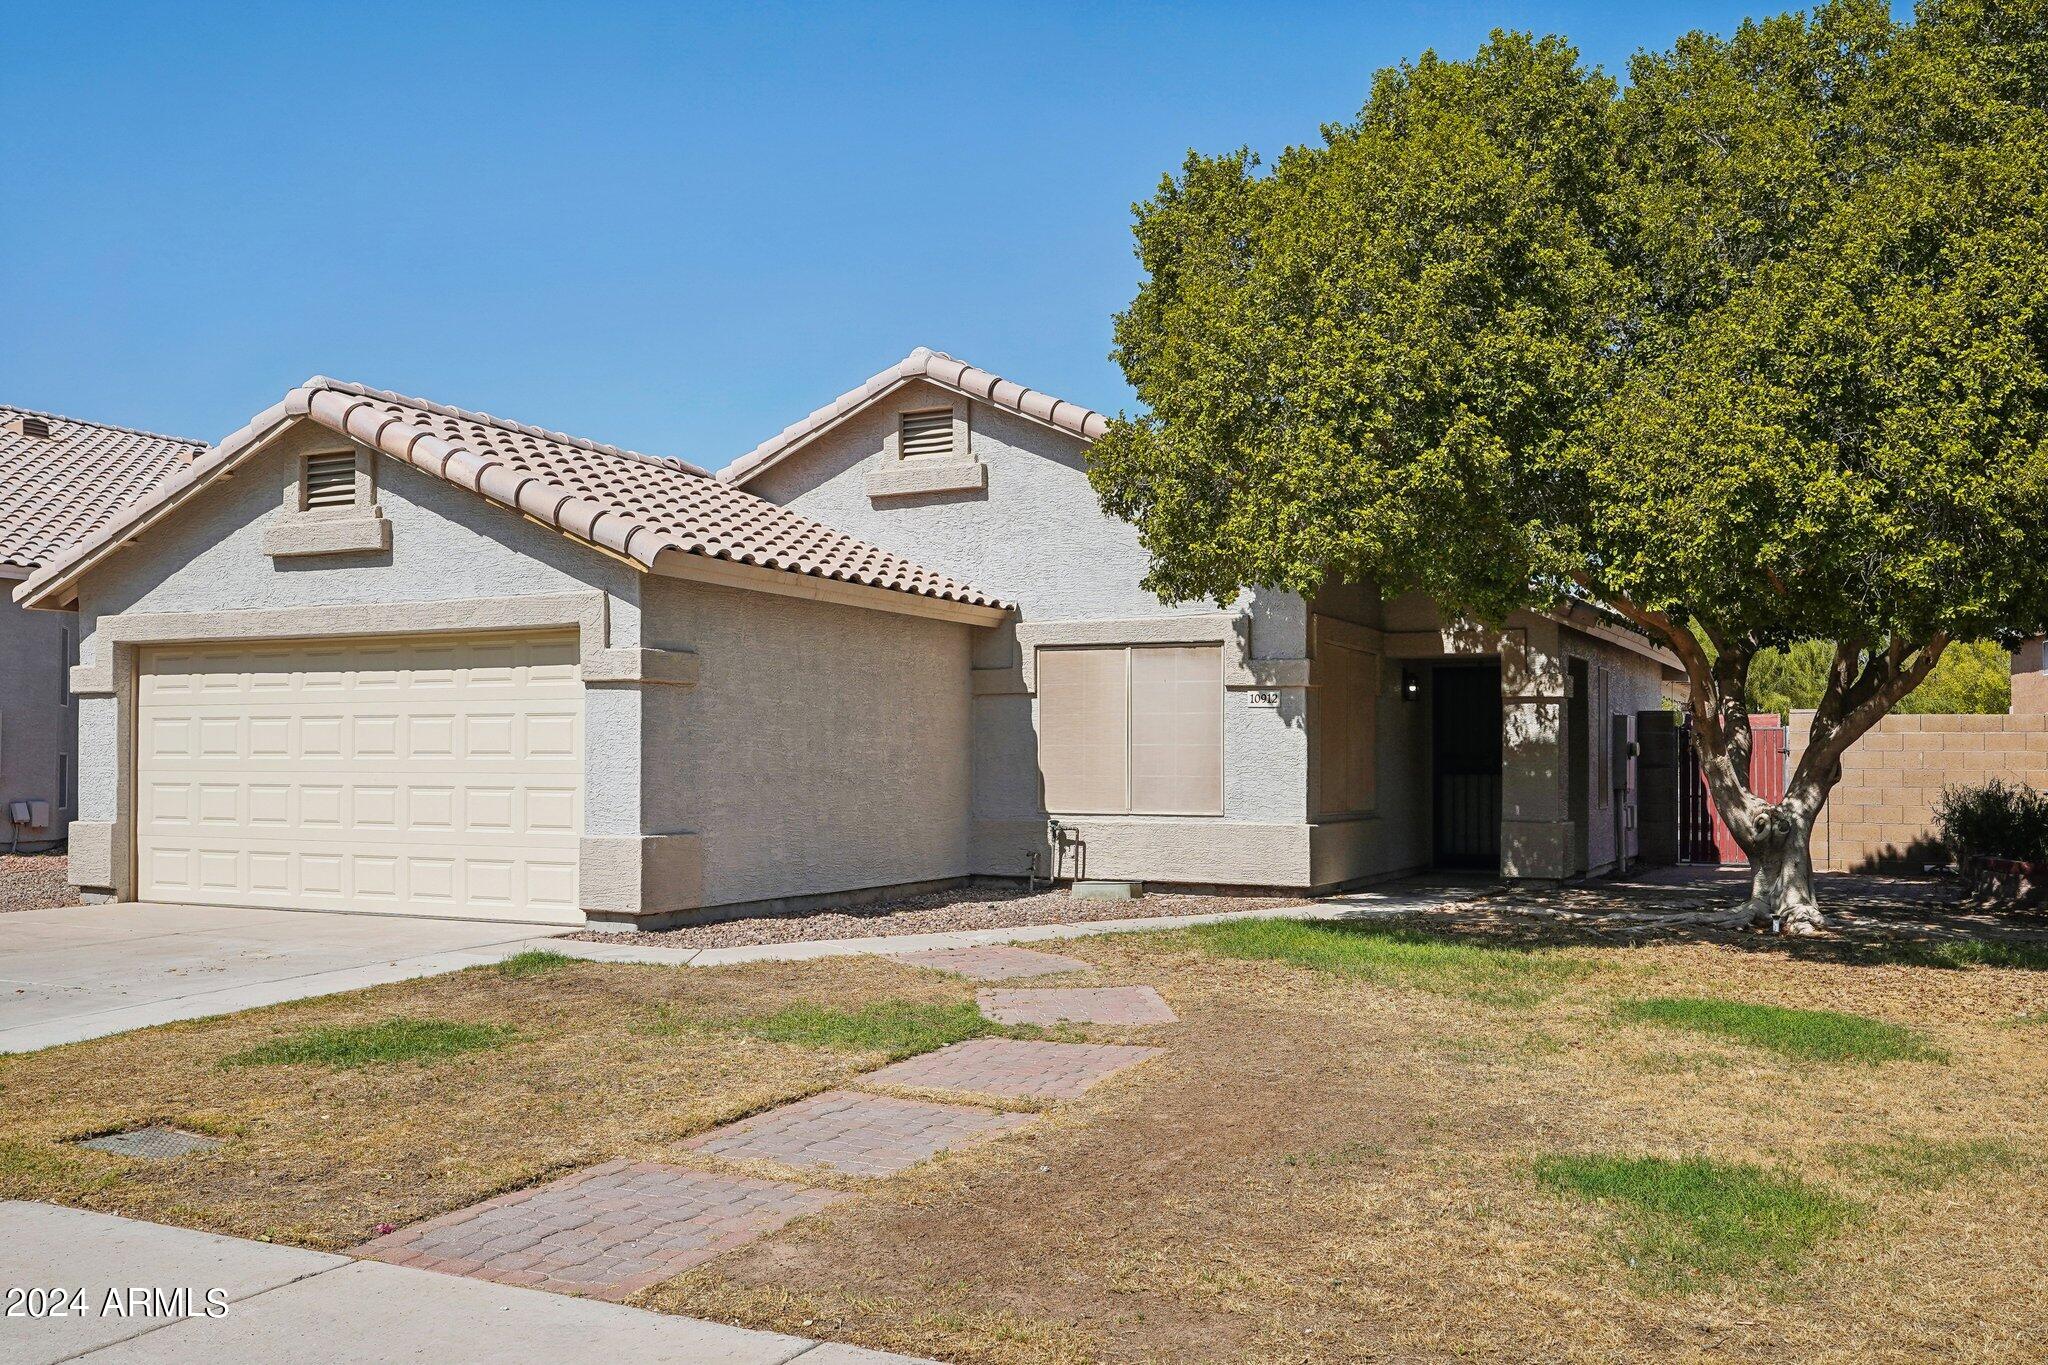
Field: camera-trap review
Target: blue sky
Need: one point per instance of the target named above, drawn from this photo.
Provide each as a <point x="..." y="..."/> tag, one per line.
<point x="670" y="226"/>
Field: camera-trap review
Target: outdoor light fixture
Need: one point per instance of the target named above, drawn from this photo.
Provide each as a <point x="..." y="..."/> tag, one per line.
<point x="1411" y="684"/>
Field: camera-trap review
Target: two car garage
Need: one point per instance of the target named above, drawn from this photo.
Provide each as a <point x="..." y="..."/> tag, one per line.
<point x="422" y="775"/>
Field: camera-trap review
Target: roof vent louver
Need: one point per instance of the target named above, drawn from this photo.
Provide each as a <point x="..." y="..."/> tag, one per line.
<point x="927" y="434"/>
<point x="28" y="424"/>
<point x="330" y="480"/>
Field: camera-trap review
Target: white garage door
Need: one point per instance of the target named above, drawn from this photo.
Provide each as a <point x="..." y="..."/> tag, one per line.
<point x="433" y="775"/>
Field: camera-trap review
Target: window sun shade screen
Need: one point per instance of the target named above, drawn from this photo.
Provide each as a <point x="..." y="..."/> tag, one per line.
<point x="330" y="480"/>
<point x="927" y="434"/>
<point x="1131" y="730"/>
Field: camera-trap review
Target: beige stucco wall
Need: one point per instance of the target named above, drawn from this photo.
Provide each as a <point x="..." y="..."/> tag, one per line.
<point x="38" y="722"/>
<point x="1629" y="684"/>
<point x="1030" y="529"/>
<point x="823" y="748"/>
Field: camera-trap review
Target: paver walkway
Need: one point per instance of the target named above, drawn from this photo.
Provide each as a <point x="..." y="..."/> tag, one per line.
<point x="618" y="1228"/>
<point x="607" y="1231"/>
<point x="992" y="962"/>
<point x="1013" y="1068"/>
<point x="311" y="1308"/>
<point x="1049" y="1005"/>
<point x="855" y="1134"/>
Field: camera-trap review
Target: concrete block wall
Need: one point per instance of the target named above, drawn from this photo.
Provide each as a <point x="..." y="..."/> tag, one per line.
<point x="1880" y="817"/>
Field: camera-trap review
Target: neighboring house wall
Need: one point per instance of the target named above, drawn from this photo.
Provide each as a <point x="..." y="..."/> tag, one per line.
<point x="38" y="723"/>
<point x="819" y="748"/>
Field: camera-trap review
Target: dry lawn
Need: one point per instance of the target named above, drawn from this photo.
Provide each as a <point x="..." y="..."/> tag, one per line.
<point x="592" y="1066"/>
<point x="1321" y="1167"/>
<point x="1331" y="1169"/>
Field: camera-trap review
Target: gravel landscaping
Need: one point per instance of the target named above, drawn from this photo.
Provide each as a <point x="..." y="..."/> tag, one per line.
<point x="973" y="907"/>
<point x="34" y="881"/>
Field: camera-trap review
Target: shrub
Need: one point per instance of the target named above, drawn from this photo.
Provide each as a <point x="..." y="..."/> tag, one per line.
<point x="1995" y="819"/>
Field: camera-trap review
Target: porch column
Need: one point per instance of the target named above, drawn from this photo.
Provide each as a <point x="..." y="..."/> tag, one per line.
<point x="1535" y="814"/>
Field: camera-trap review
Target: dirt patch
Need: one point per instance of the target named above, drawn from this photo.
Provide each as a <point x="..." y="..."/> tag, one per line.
<point x="937" y="912"/>
<point x="35" y="881"/>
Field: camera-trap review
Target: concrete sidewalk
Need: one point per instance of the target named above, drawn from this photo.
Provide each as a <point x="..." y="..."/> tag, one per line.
<point x="273" y="1303"/>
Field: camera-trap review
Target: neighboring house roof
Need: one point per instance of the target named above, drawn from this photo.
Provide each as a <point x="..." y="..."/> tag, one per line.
<point x="638" y="506"/>
<point x="937" y="368"/>
<point x="58" y="489"/>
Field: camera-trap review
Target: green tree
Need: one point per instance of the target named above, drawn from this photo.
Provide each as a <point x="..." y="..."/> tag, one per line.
<point x="1756" y="347"/>
<point x="1972" y="677"/>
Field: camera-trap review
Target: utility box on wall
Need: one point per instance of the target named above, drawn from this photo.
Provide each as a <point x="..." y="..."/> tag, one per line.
<point x="29" y="814"/>
<point x="1658" y="736"/>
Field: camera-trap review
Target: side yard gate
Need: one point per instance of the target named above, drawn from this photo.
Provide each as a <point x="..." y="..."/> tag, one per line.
<point x="1702" y="836"/>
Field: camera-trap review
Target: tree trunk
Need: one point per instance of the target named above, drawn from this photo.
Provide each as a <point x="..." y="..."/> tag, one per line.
<point x="1865" y="681"/>
<point x="1781" y="895"/>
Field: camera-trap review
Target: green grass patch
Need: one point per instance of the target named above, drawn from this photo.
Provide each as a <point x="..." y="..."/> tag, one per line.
<point x="1693" y="1223"/>
<point x="393" y="1040"/>
<point x="1963" y="953"/>
<point x="1396" y="955"/>
<point x="1915" y="1163"/>
<point x="898" y="1028"/>
<point x="533" y="962"/>
<point x="1807" y="1035"/>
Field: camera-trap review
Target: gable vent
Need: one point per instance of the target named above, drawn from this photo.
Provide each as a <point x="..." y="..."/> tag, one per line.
<point x="331" y="480"/>
<point x="28" y="424"/>
<point x="926" y="434"/>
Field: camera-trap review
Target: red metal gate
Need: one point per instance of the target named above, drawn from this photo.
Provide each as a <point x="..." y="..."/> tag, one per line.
<point x="1702" y="835"/>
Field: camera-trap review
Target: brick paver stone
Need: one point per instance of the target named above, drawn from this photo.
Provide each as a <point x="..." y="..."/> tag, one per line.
<point x="605" y="1232"/>
<point x="1013" y="1068"/>
<point x="1048" y="1005"/>
<point x="855" y="1134"/>
<point x="995" y="962"/>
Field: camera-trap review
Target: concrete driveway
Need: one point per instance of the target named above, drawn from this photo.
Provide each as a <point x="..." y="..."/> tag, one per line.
<point x="84" y="971"/>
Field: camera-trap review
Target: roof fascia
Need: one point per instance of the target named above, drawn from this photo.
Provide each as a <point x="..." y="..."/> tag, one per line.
<point x="727" y="573"/>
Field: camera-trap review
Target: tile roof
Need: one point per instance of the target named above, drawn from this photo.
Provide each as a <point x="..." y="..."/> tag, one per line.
<point x="940" y="369"/>
<point x="57" y="490"/>
<point x="638" y="506"/>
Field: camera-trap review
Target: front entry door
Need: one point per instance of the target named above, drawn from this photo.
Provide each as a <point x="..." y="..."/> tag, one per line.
<point x="1467" y="752"/>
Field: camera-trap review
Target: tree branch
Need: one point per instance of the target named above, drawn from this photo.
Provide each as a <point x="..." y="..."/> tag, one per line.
<point x="1852" y="706"/>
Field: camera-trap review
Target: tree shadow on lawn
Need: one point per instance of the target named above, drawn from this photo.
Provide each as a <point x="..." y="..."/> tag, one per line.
<point x="1872" y="921"/>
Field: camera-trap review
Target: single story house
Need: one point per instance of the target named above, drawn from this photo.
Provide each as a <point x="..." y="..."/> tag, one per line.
<point x="372" y="653"/>
<point x="61" y="479"/>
